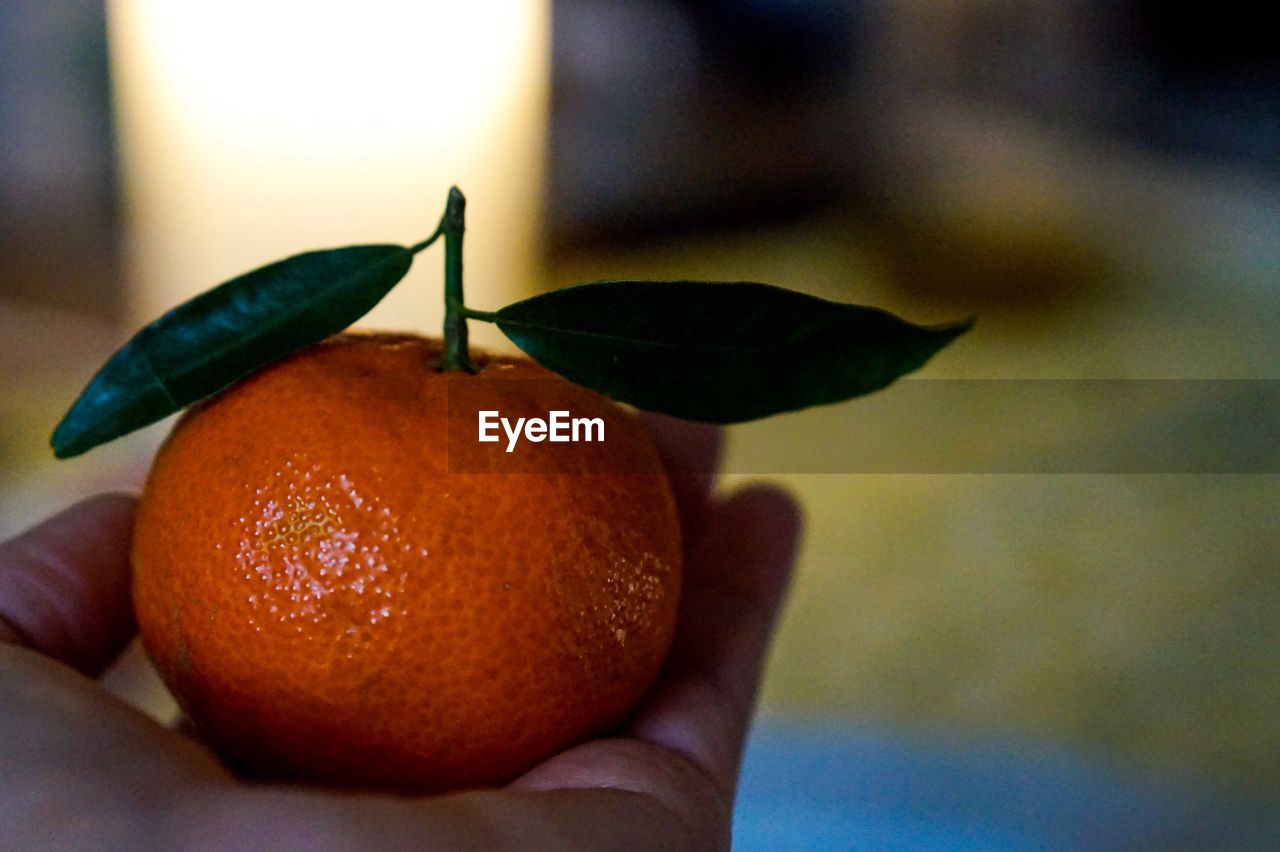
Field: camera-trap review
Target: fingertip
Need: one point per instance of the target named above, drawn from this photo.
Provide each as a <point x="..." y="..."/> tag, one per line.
<point x="113" y="506"/>
<point x="64" y="584"/>
<point x="690" y="453"/>
<point x="761" y="524"/>
<point x="696" y="445"/>
<point x="774" y="508"/>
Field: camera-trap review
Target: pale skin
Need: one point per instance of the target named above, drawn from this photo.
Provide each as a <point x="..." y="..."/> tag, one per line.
<point x="80" y="769"/>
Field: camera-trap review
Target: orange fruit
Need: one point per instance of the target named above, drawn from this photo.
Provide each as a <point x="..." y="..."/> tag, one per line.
<point x="330" y="599"/>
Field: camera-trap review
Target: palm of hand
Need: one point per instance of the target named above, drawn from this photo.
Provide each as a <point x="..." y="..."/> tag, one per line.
<point x="82" y="769"/>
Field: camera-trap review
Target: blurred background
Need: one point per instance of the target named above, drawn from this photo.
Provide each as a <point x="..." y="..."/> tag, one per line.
<point x="1098" y="182"/>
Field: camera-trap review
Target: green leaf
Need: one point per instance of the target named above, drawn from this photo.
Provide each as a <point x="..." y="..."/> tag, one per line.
<point x="221" y="336"/>
<point x="717" y="352"/>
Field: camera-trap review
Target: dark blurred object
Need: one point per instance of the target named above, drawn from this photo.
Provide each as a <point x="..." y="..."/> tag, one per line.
<point x="1197" y="80"/>
<point x="57" y="176"/>
<point x="676" y="114"/>
<point x="1209" y="79"/>
<point x="779" y="48"/>
<point x="1212" y="39"/>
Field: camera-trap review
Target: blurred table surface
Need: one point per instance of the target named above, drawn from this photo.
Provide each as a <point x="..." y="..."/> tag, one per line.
<point x="1131" y="615"/>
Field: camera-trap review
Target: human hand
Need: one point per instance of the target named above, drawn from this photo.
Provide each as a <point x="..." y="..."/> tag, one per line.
<point x="81" y="769"/>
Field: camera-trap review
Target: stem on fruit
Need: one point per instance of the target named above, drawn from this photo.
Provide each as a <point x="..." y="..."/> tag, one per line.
<point x="452" y="225"/>
<point x="417" y="247"/>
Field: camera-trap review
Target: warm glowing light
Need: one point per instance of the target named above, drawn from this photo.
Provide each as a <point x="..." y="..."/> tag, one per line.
<point x="250" y="130"/>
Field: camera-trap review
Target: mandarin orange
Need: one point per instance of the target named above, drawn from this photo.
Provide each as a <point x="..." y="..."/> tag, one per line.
<point x="332" y="597"/>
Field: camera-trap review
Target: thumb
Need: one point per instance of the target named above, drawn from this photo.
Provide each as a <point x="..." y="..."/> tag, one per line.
<point x="64" y="585"/>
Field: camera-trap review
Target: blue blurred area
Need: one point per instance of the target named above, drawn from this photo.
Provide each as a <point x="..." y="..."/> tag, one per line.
<point x="825" y="787"/>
